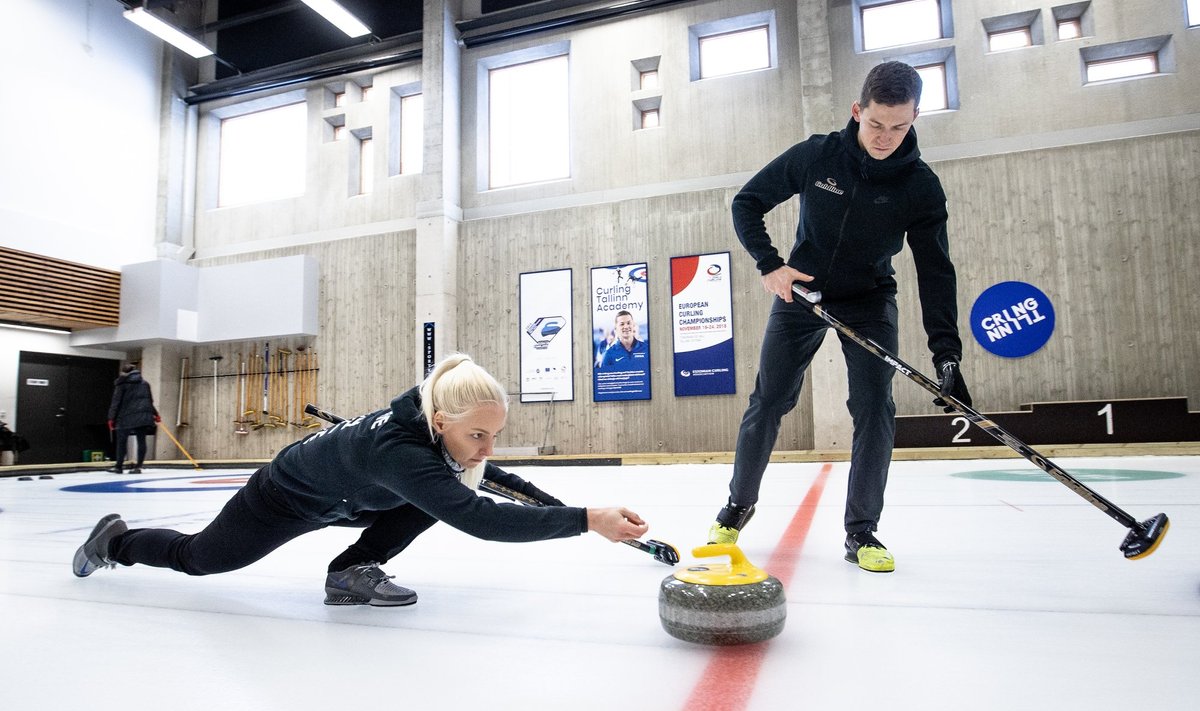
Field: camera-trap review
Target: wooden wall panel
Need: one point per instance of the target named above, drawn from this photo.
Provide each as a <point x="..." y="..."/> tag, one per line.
<point x="364" y="350"/>
<point x="495" y="252"/>
<point x="1109" y="232"/>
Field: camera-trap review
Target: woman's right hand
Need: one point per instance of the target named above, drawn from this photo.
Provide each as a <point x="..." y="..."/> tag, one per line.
<point x="616" y="524"/>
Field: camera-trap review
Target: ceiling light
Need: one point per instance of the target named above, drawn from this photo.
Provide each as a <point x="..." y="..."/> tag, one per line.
<point x="339" y="16"/>
<point x="162" y="30"/>
<point x="58" y="331"/>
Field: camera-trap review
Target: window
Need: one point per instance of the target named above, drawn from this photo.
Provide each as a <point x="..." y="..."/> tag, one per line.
<point x="734" y="45"/>
<point x="334" y="129"/>
<point x="1193" y="13"/>
<point x="339" y="98"/>
<point x="1009" y="39"/>
<point x="933" y="88"/>
<point x="1069" y="29"/>
<point x="734" y="53"/>
<point x="939" y="84"/>
<point x="1122" y="68"/>
<point x="884" y="23"/>
<point x="366" y="93"/>
<point x="406" y="130"/>
<point x="1022" y="29"/>
<point x="412" y="133"/>
<point x="1072" y="21"/>
<point x="646" y="112"/>
<point x="645" y="74"/>
<point x="1123" y="60"/>
<point x="262" y="155"/>
<point x="527" y="111"/>
<point x="366" y="166"/>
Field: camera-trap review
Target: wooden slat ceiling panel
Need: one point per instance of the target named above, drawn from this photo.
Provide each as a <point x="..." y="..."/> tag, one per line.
<point x="45" y="291"/>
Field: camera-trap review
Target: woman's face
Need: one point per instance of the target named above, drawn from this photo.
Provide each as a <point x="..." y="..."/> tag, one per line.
<point x="470" y="439"/>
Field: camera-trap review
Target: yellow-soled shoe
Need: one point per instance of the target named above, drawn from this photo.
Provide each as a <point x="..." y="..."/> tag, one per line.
<point x="864" y="550"/>
<point x="722" y="534"/>
<point x="730" y="520"/>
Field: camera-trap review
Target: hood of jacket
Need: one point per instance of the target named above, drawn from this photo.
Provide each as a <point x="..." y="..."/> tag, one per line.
<point x="133" y="376"/>
<point x="899" y="162"/>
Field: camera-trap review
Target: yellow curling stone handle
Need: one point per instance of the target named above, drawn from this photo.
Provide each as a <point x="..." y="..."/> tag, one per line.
<point x="738" y="571"/>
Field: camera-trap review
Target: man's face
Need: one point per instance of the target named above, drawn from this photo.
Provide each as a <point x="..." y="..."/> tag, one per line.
<point x="625" y="329"/>
<point x="881" y="128"/>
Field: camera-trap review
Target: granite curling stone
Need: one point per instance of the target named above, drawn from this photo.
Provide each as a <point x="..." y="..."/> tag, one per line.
<point x="722" y="604"/>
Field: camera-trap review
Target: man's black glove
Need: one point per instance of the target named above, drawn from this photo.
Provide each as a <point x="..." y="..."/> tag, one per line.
<point x="950" y="382"/>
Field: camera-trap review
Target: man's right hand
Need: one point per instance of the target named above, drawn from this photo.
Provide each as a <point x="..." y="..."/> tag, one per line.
<point x="111" y="425"/>
<point x="779" y="282"/>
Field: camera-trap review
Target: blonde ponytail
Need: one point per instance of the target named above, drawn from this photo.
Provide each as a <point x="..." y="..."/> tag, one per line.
<point x="454" y="387"/>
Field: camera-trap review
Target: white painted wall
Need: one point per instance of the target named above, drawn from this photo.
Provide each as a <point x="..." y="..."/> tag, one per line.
<point x="165" y="301"/>
<point x="79" y="132"/>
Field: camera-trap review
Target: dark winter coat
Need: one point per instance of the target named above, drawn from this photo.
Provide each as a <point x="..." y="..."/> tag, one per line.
<point x="380" y="461"/>
<point x="855" y="212"/>
<point x="132" y="403"/>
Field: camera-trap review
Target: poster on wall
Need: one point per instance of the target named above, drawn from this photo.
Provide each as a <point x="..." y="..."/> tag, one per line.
<point x="702" y="325"/>
<point x="547" y="351"/>
<point x="1012" y="319"/>
<point x="620" y="333"/>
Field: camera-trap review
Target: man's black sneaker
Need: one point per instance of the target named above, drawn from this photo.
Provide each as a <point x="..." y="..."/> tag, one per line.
<point x="865" y="550"/>
<point x="365" y="585"/>
<point x="93" y="553"/>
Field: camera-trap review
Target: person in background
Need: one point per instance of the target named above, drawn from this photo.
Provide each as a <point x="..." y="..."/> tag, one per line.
<point x="131" y="413"/>
<point x="394" y="472"/>
<point x="862" y="190"/>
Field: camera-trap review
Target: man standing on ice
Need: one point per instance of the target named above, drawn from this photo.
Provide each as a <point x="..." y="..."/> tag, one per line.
<point x="862" y="190"/>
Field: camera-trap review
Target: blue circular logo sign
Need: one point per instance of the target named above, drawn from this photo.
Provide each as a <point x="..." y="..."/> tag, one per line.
<point x="1012" y="319"/>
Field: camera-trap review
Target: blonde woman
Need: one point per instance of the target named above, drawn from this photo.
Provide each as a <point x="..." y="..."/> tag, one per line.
<point x="394" y="472"/>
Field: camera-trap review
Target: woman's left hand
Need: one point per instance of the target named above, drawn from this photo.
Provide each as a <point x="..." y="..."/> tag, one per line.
<point x="616" y="524"/>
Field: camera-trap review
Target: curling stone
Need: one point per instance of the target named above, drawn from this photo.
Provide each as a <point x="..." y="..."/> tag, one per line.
<point x="723" y="603"/>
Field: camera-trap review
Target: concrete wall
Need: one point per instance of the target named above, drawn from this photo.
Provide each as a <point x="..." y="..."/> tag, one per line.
<point x="1085" y="191"/>
<point x="1035" y="97"/>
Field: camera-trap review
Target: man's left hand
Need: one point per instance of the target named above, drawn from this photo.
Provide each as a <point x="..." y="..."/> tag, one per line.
<point x="950" y="382"/>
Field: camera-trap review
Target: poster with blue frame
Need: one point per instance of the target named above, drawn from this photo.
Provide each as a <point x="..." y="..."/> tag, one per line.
<point x="620" y="333"/>
<point x="702" y="325"/>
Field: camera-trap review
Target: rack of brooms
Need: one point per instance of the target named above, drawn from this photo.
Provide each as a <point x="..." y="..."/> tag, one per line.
<point x="272" y="388"/>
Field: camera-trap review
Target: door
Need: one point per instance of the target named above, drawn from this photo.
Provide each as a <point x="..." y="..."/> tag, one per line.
<point x="62" y="406"/>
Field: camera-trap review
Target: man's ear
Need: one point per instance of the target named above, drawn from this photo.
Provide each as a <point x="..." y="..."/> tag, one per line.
<point x="856" y="111"/>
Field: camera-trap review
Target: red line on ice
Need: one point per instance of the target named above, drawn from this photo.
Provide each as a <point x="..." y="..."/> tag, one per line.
<point x="728" y="680"/>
